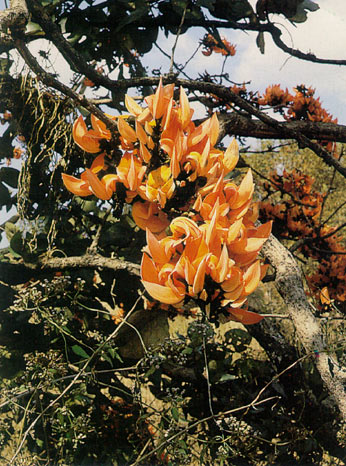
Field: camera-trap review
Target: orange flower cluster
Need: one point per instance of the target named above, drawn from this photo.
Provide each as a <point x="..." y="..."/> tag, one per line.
<point x="212" y="45"/>
<point x="211" y="257"/>
<point x="297" y="212"/>
<point x="305" y="106"/>
<point x="274" y="96"/>
<point x="165" y="156"/>
<point x="302" y="105"/>
<point x="297" y="217"/>
<point x="171" y="169"/>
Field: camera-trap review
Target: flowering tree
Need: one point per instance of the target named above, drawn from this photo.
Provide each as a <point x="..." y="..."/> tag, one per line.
<point x="135" y="325"/>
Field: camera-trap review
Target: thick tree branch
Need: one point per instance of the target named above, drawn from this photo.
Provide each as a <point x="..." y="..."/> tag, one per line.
<point x="234" y="123"/>
<point x="226" y="94"/>
<point x="87" y="261"/>
<point x="15" y="17"/>
<point x="290" y="286"/>
<point x="15" y="273"/>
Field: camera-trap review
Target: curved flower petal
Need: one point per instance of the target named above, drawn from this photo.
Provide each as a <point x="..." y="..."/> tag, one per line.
<point x="245" y="317"/>
<point x="97" y="187"/>
<point x="252" y="277"/>
<point x="146" y="215"/>
<point x="198" y="282"/>
<point x="132" y="106"/>
<point x="231" y="156"/>
<point x="85" y="139"/>
<point x="76" y="186"/>
<point x="214" y="129"/>
<point x="245" y="191"/>
<point x="148" y="269"/>
<point x="184" y="111"/>
<point x="126" y="131"/>
<point x="181" y="226"/>
<point x="158" y="102"/>
<point x="98" y="163"/>
<point x="161" y="293"/>
<point x="156" y="251"/>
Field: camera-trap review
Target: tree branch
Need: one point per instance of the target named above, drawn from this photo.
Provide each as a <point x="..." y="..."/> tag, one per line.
<point x="15" y="17"/>
<point x="276" y="36"/>
<point x="227" y="94"/>
<point x="87" y="261"/>
<point x="50" y="81"/>
<point x="75" y="60"/>
<point x="234" y="123"/>
<point x="290" y="286"/>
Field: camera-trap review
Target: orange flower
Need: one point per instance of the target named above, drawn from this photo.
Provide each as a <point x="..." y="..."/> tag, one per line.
<point x="17" y="152"/>
<point x="130" y="172"/>
<point x="88" y="83"/>
<point x="160" y="185"/>
<point x="87" y="140"/>
<point x="148" y="215"/>
<point x="89" y="183"/>
<point x="211" y="45"/>
<point x="275" y="96"/>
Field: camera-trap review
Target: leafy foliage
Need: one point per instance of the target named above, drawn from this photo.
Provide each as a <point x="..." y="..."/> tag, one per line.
<point x="94" y="368"/>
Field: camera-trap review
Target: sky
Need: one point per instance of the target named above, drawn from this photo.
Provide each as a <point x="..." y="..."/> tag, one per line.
<point x="324" y="34"/>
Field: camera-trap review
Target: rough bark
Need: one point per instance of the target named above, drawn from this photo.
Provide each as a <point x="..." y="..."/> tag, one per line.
<point x="15" y="17"/>
<point x="290" y="286"/>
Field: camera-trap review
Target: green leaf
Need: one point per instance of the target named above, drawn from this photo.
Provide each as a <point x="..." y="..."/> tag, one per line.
<point x="227" y="377"/>
<point x="309" y="5"/>
<point x="175" y="413"/>
<point x="108" y="359"/>
<point x="17" y="243"/>
<point x="136" y="15"/>
<point x="10" y="230"/>
<point x="80" y="352"/>
<point x="239" y="338"/>
<point x="5" y="197"/>
<point x="260" y="42"/>
<point x="301" y="15"/>
<point x="9" y="176"/>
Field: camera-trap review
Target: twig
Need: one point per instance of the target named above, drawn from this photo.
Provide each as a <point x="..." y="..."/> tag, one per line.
<point x="200" y="421"/>
<point x="177" y="38"/>
<point x="71" y="384"/>
<point x="50" y="81"/>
